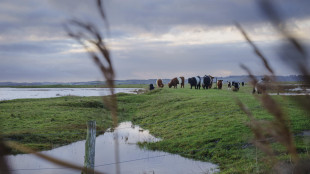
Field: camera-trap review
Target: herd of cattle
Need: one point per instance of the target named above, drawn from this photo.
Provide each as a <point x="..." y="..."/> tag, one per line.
<point x="205" y="82"/>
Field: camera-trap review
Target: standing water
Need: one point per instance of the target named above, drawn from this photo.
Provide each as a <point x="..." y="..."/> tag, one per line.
<point x="17" y="93"/>
<point x="133" y="159"/>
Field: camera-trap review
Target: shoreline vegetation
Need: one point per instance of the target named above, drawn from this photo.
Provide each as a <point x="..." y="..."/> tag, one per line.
<point x="205" y="125"/>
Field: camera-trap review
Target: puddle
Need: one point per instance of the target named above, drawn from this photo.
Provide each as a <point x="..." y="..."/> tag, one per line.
<point x="132" y="158"/>
<point x="306" y="133"/>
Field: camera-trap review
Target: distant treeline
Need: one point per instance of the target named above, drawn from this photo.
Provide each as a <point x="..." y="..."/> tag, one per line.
<point x="291" y="78"/>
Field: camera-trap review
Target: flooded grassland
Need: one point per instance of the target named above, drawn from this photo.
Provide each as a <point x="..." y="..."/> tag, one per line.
<point x="205" y="125"/>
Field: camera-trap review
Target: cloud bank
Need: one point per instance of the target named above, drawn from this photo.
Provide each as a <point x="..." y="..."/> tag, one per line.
<point x="147" y="39"/>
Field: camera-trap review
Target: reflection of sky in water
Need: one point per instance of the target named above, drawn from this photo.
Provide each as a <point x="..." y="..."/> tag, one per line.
<point x="17" y="93"/>
<point x="132" y="158"/>
<point x="288" y="93"/>
<point x="295" y="91"/>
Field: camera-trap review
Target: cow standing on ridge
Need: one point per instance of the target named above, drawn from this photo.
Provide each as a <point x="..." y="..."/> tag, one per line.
<point x="210" y="85"/>
<point x="181" y="81"/>
<point x="159" y="83"/>
<point x="173" y="82"/>
<point x="195" y="81"/>
<point x="219" y="84"/>
<point x="192" y="81"/>
<point x="198" y="79"/>
<point x="206" y="82"/>
<point x="235" y="86"/>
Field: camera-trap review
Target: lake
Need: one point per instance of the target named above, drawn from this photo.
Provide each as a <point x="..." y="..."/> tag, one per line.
<point x="19" y="93"/>
<point x="298" y="90"/>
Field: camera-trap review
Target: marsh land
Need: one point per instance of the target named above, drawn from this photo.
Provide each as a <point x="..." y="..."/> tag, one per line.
<point x="206" y="125"/>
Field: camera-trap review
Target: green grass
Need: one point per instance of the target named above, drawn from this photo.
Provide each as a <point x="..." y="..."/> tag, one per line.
<point x="44" y="123"/>
<point x="201" y="124"/>
<point x="208" y="125"/>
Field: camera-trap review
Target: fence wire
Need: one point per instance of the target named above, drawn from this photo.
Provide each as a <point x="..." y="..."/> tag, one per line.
<point x="241" y="145"/>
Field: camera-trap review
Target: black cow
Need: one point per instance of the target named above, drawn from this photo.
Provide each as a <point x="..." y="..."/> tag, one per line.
<point x="235" y="86"/>
<point x="194" y="81"/>
<point x="206" y="81"/>
<point x="242" y="83"/>
<point x="229" y="85"/>
<point x="151" y="87"/>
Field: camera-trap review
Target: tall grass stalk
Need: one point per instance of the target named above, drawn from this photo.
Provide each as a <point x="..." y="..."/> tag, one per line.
<point x="277" y="129"/>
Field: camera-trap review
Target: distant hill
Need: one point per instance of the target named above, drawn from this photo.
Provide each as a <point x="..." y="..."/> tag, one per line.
<point x="291" y="78"/>
<point x="148" y="81"/>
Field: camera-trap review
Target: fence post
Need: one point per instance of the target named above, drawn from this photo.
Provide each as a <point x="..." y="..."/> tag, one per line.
<point x="89" y="158"/>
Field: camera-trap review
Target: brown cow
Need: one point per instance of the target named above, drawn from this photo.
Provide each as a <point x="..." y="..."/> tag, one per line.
<point x="174" y="82"/>
<point x="181" y="81"/>
<point x="159" y="83"/>
<point x="219" y="84"/>
<point x="211" y="83"/>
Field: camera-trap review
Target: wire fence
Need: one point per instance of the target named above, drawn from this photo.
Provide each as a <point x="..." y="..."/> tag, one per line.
<point x="241" y="145"/>
<point x="122" y="162"/>
<point x="137" y="159"/>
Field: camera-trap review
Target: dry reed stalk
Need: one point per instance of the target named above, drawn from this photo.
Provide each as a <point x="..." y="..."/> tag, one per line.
<point x="103" y="60"/>
<point x="256" y="50"/>
<point x="271" y="78"/>
<point x="88" y="34"/>
<point x="278" y="129"/>
<point x="4" y="168"/>
<point x="259" y="131"/>
<point x="294" y="52"/>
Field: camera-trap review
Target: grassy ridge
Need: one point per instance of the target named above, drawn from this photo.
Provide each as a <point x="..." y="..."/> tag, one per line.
<point x="201" y="124"/>
<point x="208" y="125"/>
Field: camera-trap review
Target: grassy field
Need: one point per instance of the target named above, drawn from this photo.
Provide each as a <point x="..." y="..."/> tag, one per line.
<point x="201" y="124"/>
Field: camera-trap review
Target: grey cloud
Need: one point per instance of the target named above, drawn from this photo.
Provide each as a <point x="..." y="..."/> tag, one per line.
<point x="197" y="60"/>
<point x="25" y="59"/>
<point x="151" y="16"/>
<point x="158" y="17"/>
<point x="36" y="47"/>
<point x="48" y="68"/>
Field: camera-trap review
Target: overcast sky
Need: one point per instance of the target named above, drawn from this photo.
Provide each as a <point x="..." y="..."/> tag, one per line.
<point x="147" y="38"/>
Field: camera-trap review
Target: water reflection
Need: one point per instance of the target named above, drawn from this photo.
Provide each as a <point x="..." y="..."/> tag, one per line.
<point x="132" y="158"/>
<point x="299" y="90"/>
<point x="18" y="93"/>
